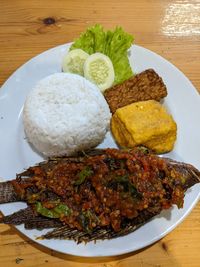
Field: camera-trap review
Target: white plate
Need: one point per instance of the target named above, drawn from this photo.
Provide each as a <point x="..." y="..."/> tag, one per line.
<point x="183" y="102"/>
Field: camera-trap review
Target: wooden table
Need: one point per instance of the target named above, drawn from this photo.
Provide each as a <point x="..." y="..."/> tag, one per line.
<point x="171" y="29"/>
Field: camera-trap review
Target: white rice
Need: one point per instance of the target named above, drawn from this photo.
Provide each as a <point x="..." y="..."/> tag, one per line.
<point x="65" y="113"/>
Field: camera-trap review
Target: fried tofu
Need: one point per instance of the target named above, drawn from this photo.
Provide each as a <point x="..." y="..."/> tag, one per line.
<point x="146" y="85"/>
<point x="144" y="123"/>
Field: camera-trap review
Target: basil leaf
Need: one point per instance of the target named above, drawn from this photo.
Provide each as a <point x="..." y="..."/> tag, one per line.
<point x="46" y="212"/>
<point x="62" y="209"/>
<point x="127" y="186"/>
<point x="55" y="212"/>
<point x="85" y="173"/>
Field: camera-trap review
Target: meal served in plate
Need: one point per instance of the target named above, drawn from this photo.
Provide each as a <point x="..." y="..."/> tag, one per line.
<point x="65" y="112"/>
<point x="95" y="196"/>
<point x="98" y="194"/>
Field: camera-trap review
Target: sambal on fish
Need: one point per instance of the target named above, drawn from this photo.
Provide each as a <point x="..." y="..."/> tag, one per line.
<point x="99" y="194"/>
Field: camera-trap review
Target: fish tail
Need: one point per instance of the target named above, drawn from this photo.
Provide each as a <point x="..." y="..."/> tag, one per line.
<point x="30" y="219"/>
<point x="18" y="217"/>
<point x="7" y="193"/>
<point x="187" y="171"/>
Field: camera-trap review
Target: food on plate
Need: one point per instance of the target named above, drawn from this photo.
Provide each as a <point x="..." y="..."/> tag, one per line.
<point x="64" y="114"/>
<point x="146" y="85"/>
<point x="74" y="60"/>
<point x="98" y="194"/>
<point x="98" y="68"/>
<point x="114" y="44"/>
<point x="144" y="123"/>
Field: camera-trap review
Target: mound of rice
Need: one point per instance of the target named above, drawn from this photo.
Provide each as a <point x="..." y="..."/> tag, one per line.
<point x="64" y="114"/>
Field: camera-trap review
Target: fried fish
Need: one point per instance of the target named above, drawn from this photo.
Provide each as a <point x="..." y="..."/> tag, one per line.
<point x="99" y="194"/>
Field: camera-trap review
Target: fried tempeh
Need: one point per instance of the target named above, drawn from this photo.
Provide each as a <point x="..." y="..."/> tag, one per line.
<point x="147" y="85"/>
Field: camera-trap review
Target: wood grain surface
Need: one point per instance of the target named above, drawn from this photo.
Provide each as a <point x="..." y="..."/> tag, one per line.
<point x="171" y="29"/>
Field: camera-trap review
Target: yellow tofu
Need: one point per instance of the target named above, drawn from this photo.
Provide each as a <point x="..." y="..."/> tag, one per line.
<point x="144" y="123"/>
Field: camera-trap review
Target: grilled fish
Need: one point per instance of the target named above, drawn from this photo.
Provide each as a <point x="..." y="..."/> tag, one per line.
<point x="98" y="194"/>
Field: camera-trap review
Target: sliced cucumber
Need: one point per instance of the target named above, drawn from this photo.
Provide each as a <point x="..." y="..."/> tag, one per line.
<point x="74" y="60"/>
<point x="98" y="68"/>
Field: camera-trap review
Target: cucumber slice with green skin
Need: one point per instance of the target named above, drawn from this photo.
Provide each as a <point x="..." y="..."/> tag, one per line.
<point x="98" y="68"/>
<point x="74" y="60"/>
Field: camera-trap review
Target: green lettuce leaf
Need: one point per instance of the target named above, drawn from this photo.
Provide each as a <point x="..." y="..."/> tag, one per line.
<point x="114" y="44"/>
